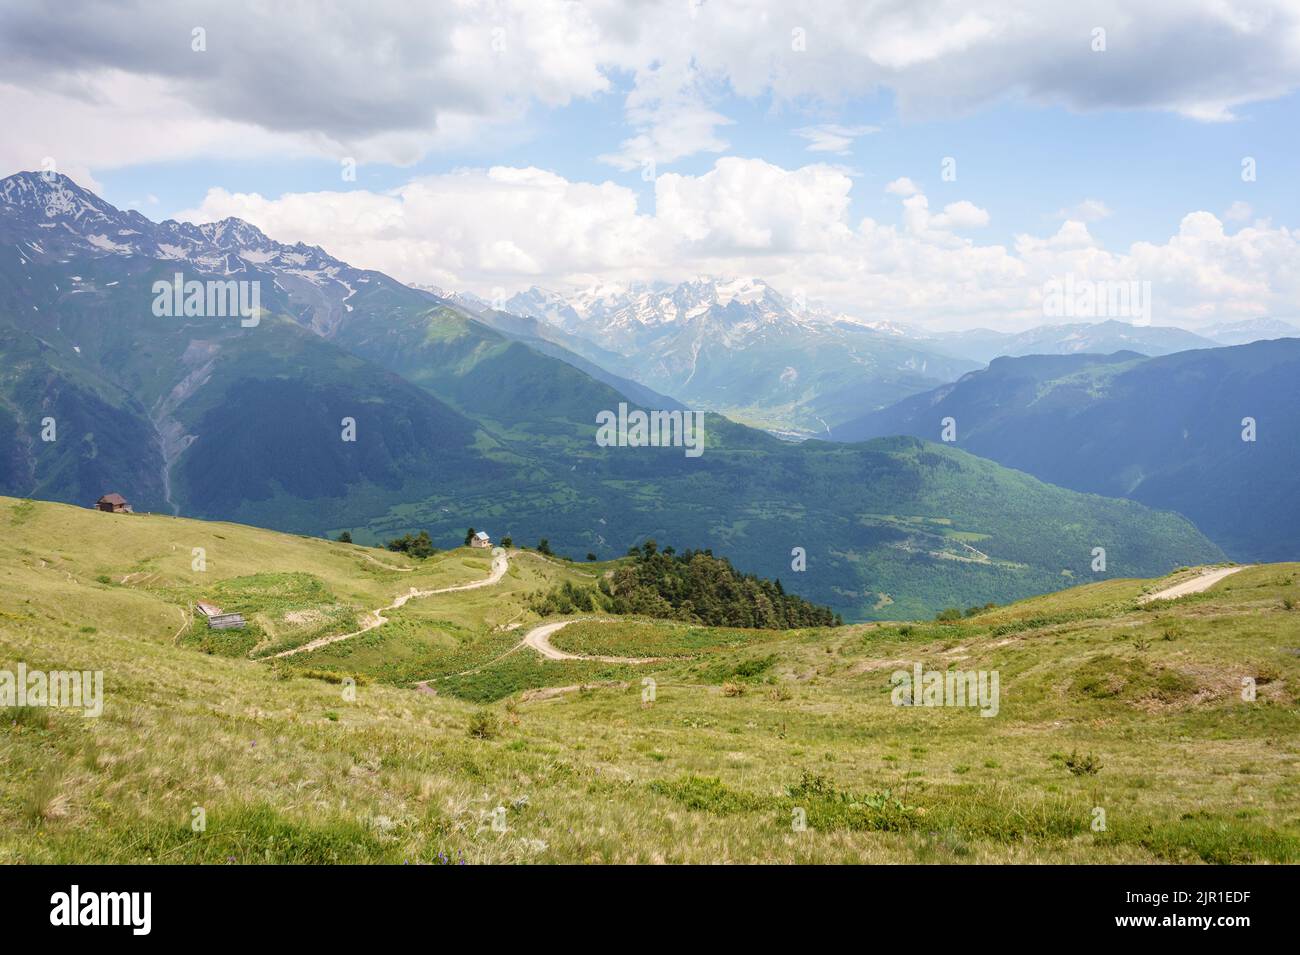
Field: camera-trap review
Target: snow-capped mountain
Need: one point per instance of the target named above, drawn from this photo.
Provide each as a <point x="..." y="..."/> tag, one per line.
<point x="740" y="346"/>
<point x="1251" y="330"/>
<point x="631" y="312"/>
<point x="52" y="219"/>
<point x="51" y="228"/>
<point x="61" y="218"/>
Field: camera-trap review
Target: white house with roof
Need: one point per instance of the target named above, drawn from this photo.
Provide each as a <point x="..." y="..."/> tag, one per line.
<point x="480" y="539"/>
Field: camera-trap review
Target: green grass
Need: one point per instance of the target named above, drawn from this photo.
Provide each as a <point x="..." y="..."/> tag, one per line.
<point x="636" y="638"/>
<point x="291" y="761"/>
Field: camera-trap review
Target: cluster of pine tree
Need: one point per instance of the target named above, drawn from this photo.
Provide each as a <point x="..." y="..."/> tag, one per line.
<point x="417" y="545"/>
<point x="701" y="588"/>
<point x="695" y="587"/>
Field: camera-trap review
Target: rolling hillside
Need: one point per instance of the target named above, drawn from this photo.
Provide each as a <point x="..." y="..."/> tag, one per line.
<point x="1105" y="703"/>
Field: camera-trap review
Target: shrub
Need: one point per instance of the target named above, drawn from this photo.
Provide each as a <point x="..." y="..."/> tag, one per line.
<point x="484" y="725"/>
<point x="328" y="676"/>
<point x="726" y="672"/>
<point x="709" y="794"/>
<point x="1087" y="765"/>
<point x="733" y="688"/>
<point x="569" y="598"/>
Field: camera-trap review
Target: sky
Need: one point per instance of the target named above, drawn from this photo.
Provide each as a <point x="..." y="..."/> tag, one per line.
<point x="921" y="161"/>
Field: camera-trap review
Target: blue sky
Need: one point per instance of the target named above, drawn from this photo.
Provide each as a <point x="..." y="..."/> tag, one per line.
<point x="1022" y="162"/>
<point x="1120" y="164"/>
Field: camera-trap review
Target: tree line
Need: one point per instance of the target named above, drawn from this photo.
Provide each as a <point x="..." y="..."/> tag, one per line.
<point x="693" y="586"/>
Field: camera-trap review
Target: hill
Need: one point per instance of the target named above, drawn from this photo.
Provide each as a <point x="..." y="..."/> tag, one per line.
<point x="706" y="754"/>
<point x="1167" y="432"/>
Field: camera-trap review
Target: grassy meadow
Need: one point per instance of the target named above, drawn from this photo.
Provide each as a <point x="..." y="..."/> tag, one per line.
<point x="438" y="738"/>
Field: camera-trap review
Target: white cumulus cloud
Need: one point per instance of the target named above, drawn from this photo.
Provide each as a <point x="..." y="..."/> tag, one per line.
<point x="509" y="228"/>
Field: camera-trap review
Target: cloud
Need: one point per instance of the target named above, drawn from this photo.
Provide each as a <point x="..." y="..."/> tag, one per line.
<point x="329" y="78"/>
<point x="1238" y="212"/>
<point x="833" y="138"/>
<point x="377" y="82"/>
<point x="671" y="118"/>
<point x="1089" y="210"/>
<point x="509" y="228"/>
<point x="902" y="187"/>
<point x="955" y="216"/>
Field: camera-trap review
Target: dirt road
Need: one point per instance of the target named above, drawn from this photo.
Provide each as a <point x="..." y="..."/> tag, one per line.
<point x="500" y="564"/>
<point x="1208" y="577"/>
<point x="539" y="638"/>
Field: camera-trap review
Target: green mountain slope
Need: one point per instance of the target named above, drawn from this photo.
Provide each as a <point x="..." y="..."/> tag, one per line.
<point x="204" y="415"/>
<point x="891" y="528"/>
<point x="1163" y="431"/>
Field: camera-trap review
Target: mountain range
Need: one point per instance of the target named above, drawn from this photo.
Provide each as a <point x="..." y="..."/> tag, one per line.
<point x="1103" y="338"/>
<point x="741" y="348"/>
<point x="460" y="418"/>
<point x="1209" y="433"/>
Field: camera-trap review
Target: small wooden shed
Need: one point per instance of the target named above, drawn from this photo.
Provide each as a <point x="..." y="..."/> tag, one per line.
<point x="113" y="503"/>
<point x="480" y="540"/>
<point x="217" y="618"/>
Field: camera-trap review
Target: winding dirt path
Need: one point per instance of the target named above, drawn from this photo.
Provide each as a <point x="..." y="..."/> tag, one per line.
<point x="539" y="639"/>
<point x="500" y="564"/>
<point x="1208" y="577"/>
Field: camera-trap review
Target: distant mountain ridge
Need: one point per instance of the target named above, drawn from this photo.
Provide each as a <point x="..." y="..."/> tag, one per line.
<point x="740" y="347"/>
<point x="1252" y="330"/>
<point x="1165" y="431"/>
<point x="1100" y="338"/>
